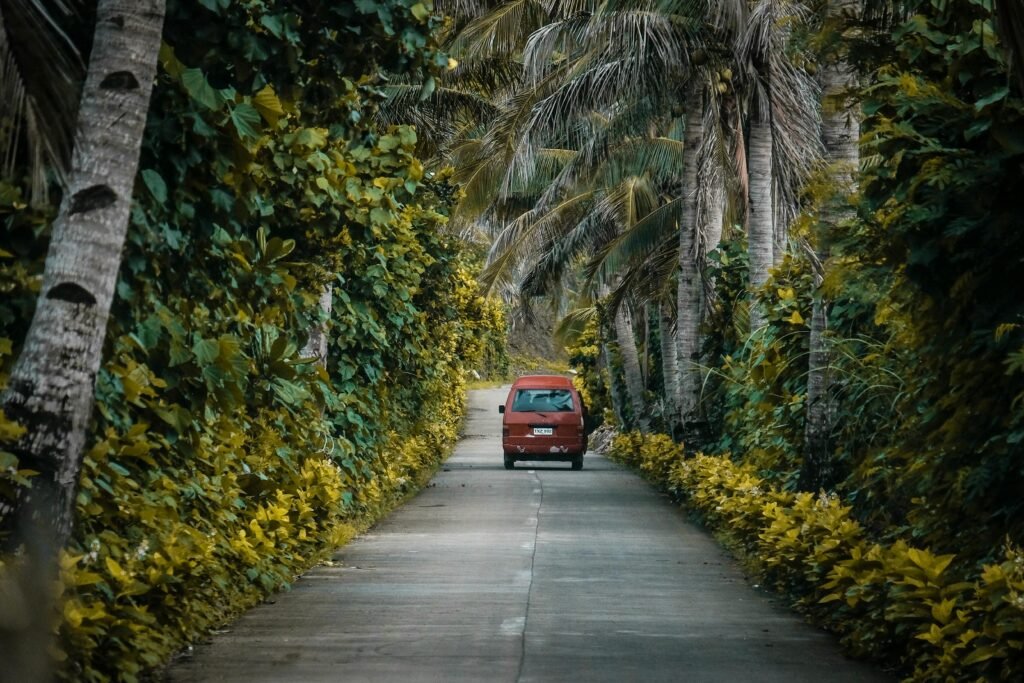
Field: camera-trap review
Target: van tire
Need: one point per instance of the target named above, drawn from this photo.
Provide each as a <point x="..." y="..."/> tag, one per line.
<point x="510" y="464"/>
<point x="577" y="462"/>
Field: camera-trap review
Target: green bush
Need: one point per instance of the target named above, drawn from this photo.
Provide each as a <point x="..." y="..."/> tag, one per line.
<point x="223" y="461"/>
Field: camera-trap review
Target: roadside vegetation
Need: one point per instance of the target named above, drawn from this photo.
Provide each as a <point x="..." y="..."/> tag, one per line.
<point x="784" y="234"/>
<point x="780" y="240"/>
<point x="291" y="321"/>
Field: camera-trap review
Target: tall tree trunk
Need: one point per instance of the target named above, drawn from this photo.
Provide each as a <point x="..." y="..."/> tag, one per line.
<point x="52" y="385"/>
<point x="761" y="226"/>
<point x="316" y="345"/>
<point x="840" y="134"/>
<point x="688" y="294"/>
<point x="626" y="339"/>
<point x="712" y="232"/>
<point x="669" y="368"/>
<point x="781" y="239"/>
<point x="614" y="394"/>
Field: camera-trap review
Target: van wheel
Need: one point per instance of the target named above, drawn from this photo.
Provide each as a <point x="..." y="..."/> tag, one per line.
<point x="510" y="464"/>
<point x="577" y="462"/>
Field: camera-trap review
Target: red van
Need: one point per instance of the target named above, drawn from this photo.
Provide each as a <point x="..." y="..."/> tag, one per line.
<point x="543" y="420"/>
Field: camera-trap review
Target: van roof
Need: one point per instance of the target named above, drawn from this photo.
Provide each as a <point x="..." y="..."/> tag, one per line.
<point x="543" y="381"/>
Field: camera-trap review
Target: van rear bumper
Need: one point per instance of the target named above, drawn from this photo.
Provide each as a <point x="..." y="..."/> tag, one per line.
<point x="546" y="449"/>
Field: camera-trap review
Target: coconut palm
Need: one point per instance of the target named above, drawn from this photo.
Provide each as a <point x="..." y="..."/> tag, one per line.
<point x="51" y="386"/>
<point x="840" y="135"/>
<point x="784" y="123"/>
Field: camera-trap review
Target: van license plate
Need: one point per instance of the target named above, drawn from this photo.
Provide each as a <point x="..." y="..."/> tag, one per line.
<point x="543" y="431"/>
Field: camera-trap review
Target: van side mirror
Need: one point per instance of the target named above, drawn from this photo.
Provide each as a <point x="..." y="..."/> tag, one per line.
<point x="501" y="409"/>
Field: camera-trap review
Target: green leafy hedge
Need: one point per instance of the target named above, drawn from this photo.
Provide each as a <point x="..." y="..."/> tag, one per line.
<point x="225" y="460"/>
<point x="900" y="604"/>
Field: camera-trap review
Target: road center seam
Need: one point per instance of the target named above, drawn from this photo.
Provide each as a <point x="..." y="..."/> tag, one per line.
<point x="529" y="590"/>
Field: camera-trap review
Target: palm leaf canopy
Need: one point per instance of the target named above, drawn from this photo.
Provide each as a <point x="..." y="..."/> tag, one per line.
<point x="41" y="74"/>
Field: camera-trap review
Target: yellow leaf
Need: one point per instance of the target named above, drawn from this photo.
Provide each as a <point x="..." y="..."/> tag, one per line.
<point x="72" y="615"/>
<point x="942" y="611"/>
<point x="786" y="293"/>
<point x="116" y="570"/>
<point x="87" y="578"/>
<point x="268" y="105"/>
<point x="795" y="319"/>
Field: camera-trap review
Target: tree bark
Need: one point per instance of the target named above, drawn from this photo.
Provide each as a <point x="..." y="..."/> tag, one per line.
<point x="626" y="339"/>
<point x="316" y="345"/>
<point x="712" y="233"/>
<point x="614" y="395"/>
<point x="52" y="385"/>
<point x="669" y="368"/>
<point x="840" y="135"/>
<point x="689" y="285"/>
<point x="761" y="226"/>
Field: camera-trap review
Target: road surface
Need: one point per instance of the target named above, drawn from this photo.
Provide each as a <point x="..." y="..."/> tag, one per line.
<point x="536" y="574"/>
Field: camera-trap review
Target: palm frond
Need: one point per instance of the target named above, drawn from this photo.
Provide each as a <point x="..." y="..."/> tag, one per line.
<point x="571" y="326"/>
<point x="646" y="282"/>
<point x="562" y="252"/>
<point x="659" y="158"/>
<point x="638" y="243"/>
<point x="503" y="30"/>
<point x="528" y="234"/>
<point x="41" y="74"/>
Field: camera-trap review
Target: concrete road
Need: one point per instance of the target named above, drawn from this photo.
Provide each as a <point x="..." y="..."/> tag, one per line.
<point x="537" y="574"/>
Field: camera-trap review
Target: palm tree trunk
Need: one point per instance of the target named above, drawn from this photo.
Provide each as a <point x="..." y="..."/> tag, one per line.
<point x="52" y="385"/>
<point x="760" y="230"/>
<point x="840" y="134"/>
<point x="618" y="405"/>
<point x="669" y="368"/>
<point x="626" y="340"/>
<point x="689" y="285"/>
<point x="712" y="233"/>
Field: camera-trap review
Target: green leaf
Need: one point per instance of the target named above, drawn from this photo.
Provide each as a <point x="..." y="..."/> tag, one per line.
<point x="215" y="5"/>
<point x="246" y="120"/>
<point x="994" y="96"/>
<point x="200" y="90"/>
<point x="155" y="183"/>
<point x="206" y="350"/>
<point x="311" y="137"/>
<point x="428" y="88"/>
<point x="273" y="24"/>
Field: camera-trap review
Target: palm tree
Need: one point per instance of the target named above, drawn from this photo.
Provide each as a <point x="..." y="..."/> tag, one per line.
<point x="840" y="134"/>
<point x="50" y="391"/>
<point x="688" y="304"/>
<point x="784" y="123"/>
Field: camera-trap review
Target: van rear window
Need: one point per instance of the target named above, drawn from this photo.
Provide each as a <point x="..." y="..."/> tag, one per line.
<point x="542" y="400"/>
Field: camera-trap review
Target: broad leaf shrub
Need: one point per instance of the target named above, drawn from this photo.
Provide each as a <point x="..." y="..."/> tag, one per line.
<point x="893" y="602"/>
<point x="224" y="461"/>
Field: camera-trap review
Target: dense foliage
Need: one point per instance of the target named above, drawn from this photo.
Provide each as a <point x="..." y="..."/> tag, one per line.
<point x="226" y="458"/>
<point x="925" y="338"/>
<point x="925" y="321"/>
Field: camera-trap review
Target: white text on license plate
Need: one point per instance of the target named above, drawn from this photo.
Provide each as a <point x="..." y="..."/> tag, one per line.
<point x="543" y="431"/>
